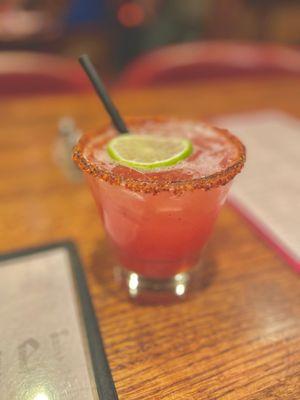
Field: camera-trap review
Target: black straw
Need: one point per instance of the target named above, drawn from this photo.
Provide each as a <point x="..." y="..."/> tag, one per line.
<point x="100" y="89"/>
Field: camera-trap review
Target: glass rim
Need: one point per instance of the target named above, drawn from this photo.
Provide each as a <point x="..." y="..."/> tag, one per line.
<point x="154" y="186"/>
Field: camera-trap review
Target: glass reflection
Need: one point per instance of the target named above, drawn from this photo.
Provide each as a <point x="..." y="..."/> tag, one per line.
<point x="133" y="284"/>
<point x="41" y="396"/>
<point x="180" y="289"/>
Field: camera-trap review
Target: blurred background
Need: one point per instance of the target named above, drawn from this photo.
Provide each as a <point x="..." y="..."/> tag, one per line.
<point x="114" y="32"/>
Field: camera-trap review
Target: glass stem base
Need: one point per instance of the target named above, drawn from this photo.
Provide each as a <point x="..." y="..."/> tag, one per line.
<point x="148" y="290"/>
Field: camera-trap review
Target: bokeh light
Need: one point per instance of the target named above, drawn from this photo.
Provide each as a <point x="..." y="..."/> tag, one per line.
<point x="131" y="15"/>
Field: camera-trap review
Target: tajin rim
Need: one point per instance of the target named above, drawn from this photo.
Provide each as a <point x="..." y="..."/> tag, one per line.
<point x="154" y="186"/>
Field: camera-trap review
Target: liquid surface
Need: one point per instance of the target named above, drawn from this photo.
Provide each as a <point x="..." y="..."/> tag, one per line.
<point x="212" y="151"/>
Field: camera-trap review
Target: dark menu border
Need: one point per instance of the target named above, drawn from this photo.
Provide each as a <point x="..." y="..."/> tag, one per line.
<point x="102" y="373"/>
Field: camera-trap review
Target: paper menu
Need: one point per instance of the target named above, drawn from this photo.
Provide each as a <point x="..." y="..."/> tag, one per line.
<point x="43" y="349"/>
<point x="267" y="192"/>
<point x="50" y="344"/>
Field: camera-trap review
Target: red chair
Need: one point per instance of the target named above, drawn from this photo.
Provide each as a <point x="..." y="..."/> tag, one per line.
<point x="25" y="73"/>
<point x="209" y="60"/>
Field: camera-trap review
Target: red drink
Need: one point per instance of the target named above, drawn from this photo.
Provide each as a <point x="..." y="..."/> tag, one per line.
<point x="159" y="220"/>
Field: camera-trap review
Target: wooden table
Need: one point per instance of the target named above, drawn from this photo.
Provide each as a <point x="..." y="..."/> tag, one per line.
<point x="238" y="337"/>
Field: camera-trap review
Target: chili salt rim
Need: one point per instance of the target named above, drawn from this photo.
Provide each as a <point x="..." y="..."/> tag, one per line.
<point x="154" y="186"/>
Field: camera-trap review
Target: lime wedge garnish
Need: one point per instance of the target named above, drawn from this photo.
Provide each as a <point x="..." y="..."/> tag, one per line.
<point x="148" y="151"/>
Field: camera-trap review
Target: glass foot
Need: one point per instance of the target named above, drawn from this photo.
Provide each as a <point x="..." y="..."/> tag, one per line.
<point x="148" y="290"/>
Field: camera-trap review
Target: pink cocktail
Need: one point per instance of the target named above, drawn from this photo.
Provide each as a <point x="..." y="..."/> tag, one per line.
<point x="158" y="221"/>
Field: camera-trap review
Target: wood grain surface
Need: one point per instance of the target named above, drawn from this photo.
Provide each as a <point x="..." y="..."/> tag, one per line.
<point x="238" y="337"/>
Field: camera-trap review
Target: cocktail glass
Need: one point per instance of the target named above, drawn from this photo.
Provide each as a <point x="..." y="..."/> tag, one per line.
<point x="158" y="222"/>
